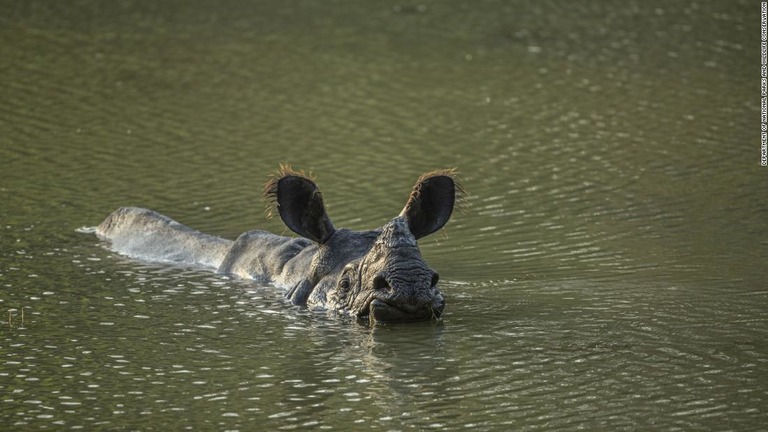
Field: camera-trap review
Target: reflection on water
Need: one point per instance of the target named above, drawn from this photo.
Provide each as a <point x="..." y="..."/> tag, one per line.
<point x="605" y="275"/>
<point x="187" y="348"/>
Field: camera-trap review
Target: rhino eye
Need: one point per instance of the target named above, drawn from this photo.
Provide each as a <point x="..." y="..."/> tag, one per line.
<point x="344" y="283"/>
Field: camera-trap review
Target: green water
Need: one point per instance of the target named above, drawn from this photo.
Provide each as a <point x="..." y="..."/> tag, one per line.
<point x="607" y="272"/>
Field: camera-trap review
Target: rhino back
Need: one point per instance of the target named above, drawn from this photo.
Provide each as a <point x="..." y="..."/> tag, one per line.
<point x="148" y="235"/>
<point x="269" y="258"/>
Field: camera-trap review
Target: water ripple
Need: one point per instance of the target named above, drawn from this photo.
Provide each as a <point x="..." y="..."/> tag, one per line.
<point x="605" y="274"/>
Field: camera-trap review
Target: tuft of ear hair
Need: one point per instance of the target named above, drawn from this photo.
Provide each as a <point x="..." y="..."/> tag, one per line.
<point x="269" y="193"/>
<point x="452" y="173"/>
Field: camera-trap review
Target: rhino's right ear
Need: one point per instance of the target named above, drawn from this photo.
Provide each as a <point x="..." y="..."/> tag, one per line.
<point x="300" y="204"/>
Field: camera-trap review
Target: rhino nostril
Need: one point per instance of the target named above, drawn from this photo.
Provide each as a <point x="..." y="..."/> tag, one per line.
<point x="379" y="283"/>
<point x="435" y="279"/>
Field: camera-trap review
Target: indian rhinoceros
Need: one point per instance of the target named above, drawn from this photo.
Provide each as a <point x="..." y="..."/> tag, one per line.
<point x="377" y="275"/>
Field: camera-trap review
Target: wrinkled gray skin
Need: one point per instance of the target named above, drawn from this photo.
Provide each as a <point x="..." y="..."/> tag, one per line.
<point x="377" y="275"/>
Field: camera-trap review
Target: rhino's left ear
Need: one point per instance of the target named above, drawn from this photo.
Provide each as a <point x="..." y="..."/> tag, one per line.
<point x="300" y="204"/>
<point x="431" y="202"/>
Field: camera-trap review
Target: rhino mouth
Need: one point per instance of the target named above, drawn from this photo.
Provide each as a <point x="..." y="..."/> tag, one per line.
<point x="380" y="311"/>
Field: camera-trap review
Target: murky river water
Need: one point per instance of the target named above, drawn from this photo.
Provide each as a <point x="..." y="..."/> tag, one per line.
<point x="608" y="272"/>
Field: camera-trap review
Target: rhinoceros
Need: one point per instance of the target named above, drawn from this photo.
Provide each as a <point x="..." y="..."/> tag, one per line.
<point x="377" y="275"/>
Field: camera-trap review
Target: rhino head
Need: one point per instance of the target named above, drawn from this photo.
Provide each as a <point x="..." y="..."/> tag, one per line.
<point x="378" y="274"/>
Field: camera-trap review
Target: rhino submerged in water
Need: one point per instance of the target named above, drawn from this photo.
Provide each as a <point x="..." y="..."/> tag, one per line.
<point x="377" y="275"/>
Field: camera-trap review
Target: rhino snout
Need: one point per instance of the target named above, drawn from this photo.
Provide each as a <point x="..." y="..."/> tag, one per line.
<point x="393" y="304"/>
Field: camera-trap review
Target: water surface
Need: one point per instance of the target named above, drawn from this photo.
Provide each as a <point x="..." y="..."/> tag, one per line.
<point x="606" y="273"/>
